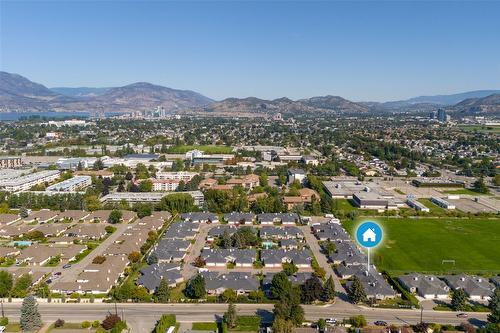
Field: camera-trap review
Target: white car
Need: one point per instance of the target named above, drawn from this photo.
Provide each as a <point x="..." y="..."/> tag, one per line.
<point x="331" y="321"/>
<point x="2" y="328"/>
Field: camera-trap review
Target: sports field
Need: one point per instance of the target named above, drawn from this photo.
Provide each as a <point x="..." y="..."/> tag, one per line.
<point x="421" y="245"/>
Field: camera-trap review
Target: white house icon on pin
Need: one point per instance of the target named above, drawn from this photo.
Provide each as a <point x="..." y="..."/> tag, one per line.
<point x="369" y="235"/>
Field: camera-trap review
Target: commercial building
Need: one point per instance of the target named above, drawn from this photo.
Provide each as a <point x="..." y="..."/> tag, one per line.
<point x="413" y="203"/>
<point x="10" y="162"/>
<point x="442" y="203"/>
<point x="74" y="162"/>
<point x="24" y="183"/>
<point x="371" y="200"/>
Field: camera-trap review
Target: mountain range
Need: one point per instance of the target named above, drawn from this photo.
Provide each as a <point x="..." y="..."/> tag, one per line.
<point x="18" y="93"/>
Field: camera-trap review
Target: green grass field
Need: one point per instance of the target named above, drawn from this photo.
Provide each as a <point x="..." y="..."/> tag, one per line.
<point x="481" y="128"/>
<point x="344" y="204"/>
<point x="208" y="149"/>
<point x="462" y="191"/>
<point x="420" y="245"/>
<point x="432" y="207"/>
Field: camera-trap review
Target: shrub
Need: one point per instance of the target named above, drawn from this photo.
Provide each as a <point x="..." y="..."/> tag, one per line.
<point x="110" y="321"/>
<point x="86" y="324"/>
<point x="95" y="324"/>
<point x="59" y="323"/>
<point x="4" y="321"/>
<point x="99" y="260"/>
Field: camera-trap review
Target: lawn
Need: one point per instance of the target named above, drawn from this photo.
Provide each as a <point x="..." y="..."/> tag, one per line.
<point x="432" y="206"/>
<point x="343" y="204"/>
<point x="208" y="149"/>
<point x="205" y="326"/>
<point x="420" y="245"/>
<point x="462" y="191"/>
<point x="481" y="128"/>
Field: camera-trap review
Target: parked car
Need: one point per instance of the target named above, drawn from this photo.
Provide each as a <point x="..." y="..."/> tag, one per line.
<point x="57" y="273"/>
<point x="462" y="315"/>
<point x="331" y="320"/>
<point x="67" y="266"/>
<point x="380" y="323"/>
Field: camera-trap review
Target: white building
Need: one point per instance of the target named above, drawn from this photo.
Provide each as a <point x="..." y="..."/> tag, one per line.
<point x="24" y="183"/>
<point x="442" y="203"/>
<point x="71" y="185"/>
<point x="186" y="176"/>
<point x="165" y="185"/>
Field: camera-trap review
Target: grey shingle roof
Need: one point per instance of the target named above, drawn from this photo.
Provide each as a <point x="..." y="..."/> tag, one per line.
<point x="239" y="281"/>
<point x="473" y="286"/>
<point x="424" y="284"/>
<point x="151" y="275"/>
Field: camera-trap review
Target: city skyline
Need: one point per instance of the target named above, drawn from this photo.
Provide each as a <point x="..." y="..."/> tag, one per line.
<point x="362" y="51"/>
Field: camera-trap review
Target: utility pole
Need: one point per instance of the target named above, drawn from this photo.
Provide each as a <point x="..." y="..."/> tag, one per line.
<point x="421" y="315"/>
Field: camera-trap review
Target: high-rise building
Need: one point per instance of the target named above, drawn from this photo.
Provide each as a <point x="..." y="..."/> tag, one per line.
<point x="441" y="115"/>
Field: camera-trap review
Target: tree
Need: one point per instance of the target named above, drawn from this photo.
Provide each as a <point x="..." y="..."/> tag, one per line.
<point x="6" y="283"/>
<point x="152" y="259"/>
<point x="494" y="305"/>
<point x="321" y="324"/>
<point x="143" y="210"/>
<point x="479" y="186"/>
<point x="162" y="293"/>
<point x="282" y="325"/>
<point x="280" y="285"/>
<point x="290" y="268"/>
<point x="196" y="287"/>
<point x="226" y="241"/>
<point x="358" y="321"/>
<point x="458" y="300"/>
<point x="110" y="321"/>
<point x="23" y="283"/>
<point x="115" y="216"/>
<point x="30" y="317"/>
<point x="311" y="289"/>
<point x="263" y="179"/>
<point x="357" y="291"/>
<point x="229" y="295"/>
<point x="134" y="256"/>
<point x="230" y="316"/>
<point x="146" y="186"/>
<point x="98" y="165"/>
<point x="328" y="293"/>
<point x="289" y="307"/>
<point x="177" y="202"/>
<point x="496" y="180"/>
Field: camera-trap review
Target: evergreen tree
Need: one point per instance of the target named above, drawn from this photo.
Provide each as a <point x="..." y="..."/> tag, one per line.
<point x="162" y="293"/>
<point x="196" y="287"/>
<point x="494" y="305"/>
<point x="480" y="186"/>
<point x="311" y="289"/>
<point x="226" y="241"/>
<point x="30" y="317"/>
<point x="328" y="290"/>
<point x="230" y="316"/>
<point x="459" y="300"/>
<point x="357" y="291"/>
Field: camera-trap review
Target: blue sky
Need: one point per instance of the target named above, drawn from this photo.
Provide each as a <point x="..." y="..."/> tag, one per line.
<point x="356" y="49"/>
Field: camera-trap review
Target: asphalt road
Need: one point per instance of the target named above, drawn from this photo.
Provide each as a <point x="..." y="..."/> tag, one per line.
<point x="142" y="317"/>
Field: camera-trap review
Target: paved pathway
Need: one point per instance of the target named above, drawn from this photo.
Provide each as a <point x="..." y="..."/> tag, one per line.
<point x="71" y="274"/>
<point x="323" y="262"/>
